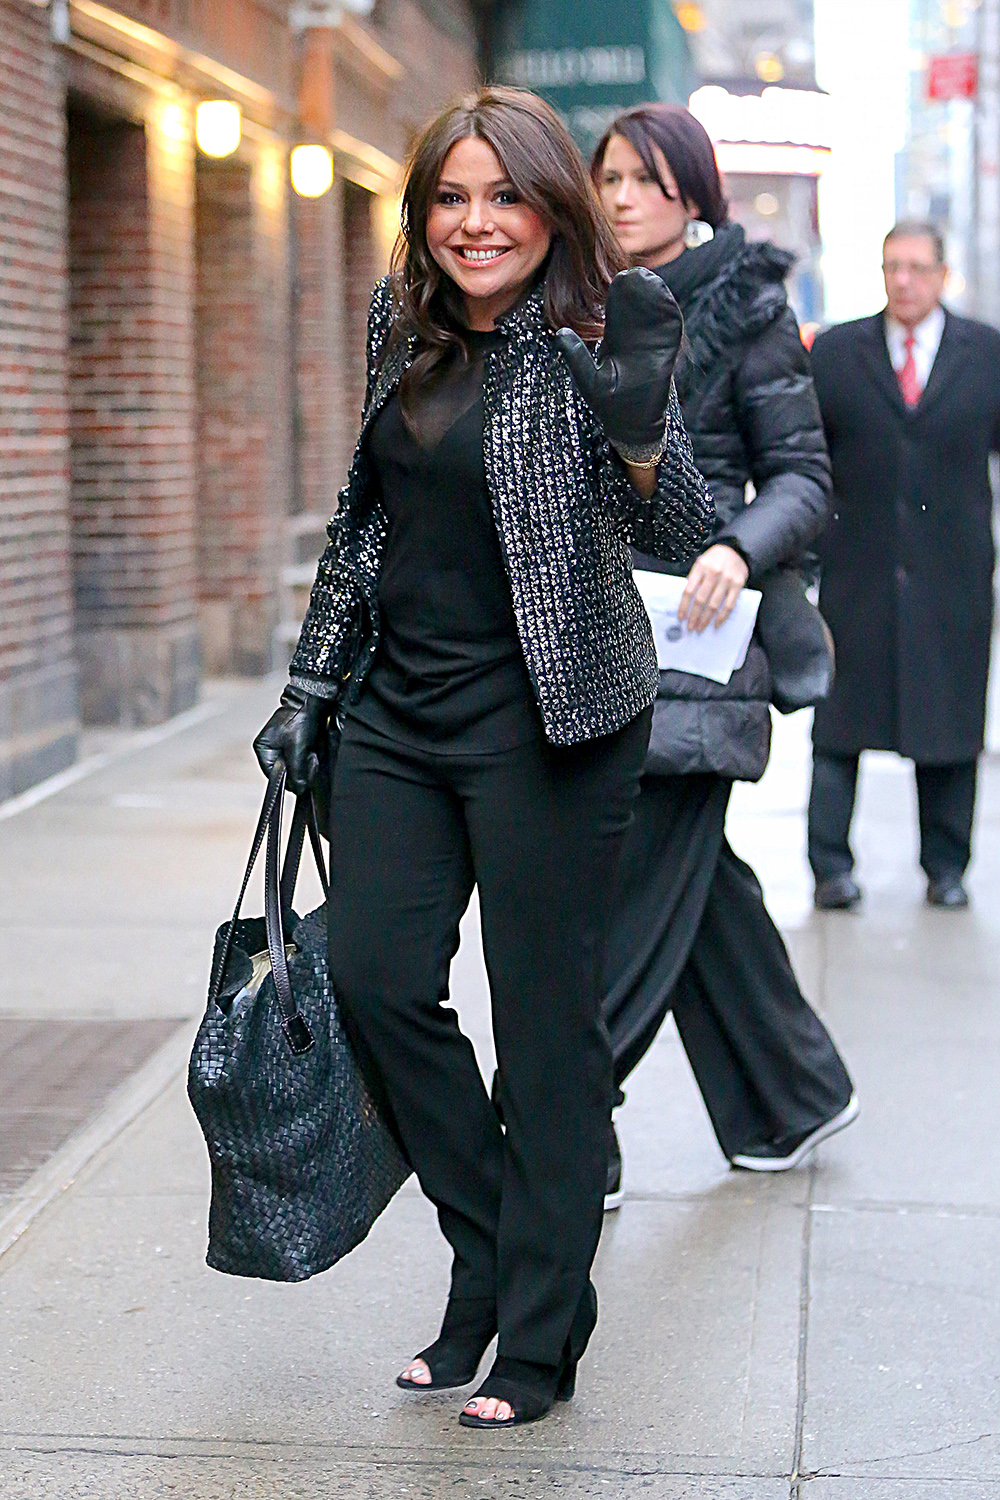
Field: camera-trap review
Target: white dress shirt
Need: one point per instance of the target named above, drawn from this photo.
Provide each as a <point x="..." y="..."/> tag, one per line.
<point x="926" y="341"/>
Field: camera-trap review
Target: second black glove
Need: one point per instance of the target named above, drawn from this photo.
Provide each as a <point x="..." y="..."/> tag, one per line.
<point x="293" y="733"/>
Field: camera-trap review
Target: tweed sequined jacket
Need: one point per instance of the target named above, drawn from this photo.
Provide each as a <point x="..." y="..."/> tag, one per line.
<point x="565" y="514"/>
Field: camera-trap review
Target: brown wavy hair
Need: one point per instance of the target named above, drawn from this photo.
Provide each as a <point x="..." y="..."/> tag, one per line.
<point x="545" y="168"/>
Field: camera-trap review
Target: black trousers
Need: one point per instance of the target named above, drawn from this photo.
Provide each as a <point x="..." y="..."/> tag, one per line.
<point x="691" y="933"/>
<point x="946" y="797"/>
<point x="539" y="831"/>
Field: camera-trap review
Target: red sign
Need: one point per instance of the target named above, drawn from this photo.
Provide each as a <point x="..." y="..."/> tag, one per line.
<point x="953" y="76"/>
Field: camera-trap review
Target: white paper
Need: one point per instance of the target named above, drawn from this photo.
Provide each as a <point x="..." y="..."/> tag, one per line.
<point x="713" y="652"/>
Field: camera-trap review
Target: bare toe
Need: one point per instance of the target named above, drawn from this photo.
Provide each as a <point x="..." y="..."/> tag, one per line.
<point x="489" y="1408"/>
<point x="418" y="1372"/>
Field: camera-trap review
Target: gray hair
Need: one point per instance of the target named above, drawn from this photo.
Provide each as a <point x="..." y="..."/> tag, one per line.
<point x="912" y="229"/>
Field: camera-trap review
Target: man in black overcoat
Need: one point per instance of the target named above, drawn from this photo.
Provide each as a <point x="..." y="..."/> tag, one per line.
<point x="911" y="405"/>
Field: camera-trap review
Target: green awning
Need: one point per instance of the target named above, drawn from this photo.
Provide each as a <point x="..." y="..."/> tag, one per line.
<point x="593" y="58"/>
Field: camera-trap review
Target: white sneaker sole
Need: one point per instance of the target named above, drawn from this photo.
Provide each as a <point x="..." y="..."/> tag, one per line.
<point x="821" y="1133"/>
<point x="614" y="1200"/>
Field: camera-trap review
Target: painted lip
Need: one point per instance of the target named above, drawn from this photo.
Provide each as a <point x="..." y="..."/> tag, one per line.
<point x="480" y="255"/>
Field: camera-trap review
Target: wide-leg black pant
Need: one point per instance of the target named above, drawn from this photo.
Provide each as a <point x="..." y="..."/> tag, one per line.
<point x="538" y="830"/>
<point x="946" y="798"/>
<point x="691" y="933"/>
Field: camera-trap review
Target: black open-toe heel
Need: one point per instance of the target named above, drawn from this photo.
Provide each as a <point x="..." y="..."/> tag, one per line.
<point x="468" y="1327"/>
<point x="529" y="1390"/>
<point x="532" y="1390"/>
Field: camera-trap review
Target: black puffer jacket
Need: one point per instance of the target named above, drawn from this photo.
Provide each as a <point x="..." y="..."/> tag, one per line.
<point x="749" y="405"/>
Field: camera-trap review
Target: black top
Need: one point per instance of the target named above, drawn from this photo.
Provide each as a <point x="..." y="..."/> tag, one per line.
<point x="563" y="506"/>
<point x="449" y="668"/>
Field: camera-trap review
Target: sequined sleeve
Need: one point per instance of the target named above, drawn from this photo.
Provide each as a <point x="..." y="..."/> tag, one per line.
<point x="677" y="521"/>
<point x="332" y="618"/>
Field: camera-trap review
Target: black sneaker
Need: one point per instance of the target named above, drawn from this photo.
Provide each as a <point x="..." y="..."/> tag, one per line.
<point x="614" y="1194"/>
<point x="786" y="1151"/>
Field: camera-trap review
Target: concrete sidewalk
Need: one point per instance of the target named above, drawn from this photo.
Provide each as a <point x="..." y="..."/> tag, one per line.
<point x="829" y="1334"/>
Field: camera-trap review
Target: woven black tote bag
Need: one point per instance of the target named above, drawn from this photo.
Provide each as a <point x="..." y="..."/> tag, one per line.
<point x="302" y="1162"/>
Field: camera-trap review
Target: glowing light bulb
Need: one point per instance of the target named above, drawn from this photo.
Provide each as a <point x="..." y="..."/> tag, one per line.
<point x="768" y="67"/>
<point x="173" y="123"/>
<point x="217" y="127"/>
<point x="690" y="15"/>
<point x="312" y="171"/>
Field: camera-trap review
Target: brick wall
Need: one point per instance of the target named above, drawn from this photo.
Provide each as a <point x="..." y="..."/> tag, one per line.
<point x="323" y="436"/>
<point x="244" y="471"/>
<point x="38" y="718"/>
<point x="158" y="495"/>
<point x="362" y="268"/>
<point x="132" y="413"/>
<point x="336" y="265"/>
<point x="438" y="42"/>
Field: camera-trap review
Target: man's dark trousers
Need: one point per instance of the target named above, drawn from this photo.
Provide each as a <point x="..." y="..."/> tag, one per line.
<point x="946" y="797"/>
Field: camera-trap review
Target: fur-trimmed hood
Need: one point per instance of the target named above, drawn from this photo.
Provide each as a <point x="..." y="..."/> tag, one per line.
<point x="729" y="291"/>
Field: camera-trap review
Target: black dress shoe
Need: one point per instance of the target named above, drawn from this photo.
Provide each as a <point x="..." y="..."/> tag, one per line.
<point x="614" y="1193"/>
<point x="948" y="893"/>
<point x="837" y="893"/>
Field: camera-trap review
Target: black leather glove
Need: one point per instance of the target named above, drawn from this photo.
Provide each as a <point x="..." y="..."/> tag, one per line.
<point x="628" y="385"/>
<point x="294" y="734"/>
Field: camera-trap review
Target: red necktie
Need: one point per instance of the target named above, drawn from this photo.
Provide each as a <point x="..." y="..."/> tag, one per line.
<point x="908" y="382"/>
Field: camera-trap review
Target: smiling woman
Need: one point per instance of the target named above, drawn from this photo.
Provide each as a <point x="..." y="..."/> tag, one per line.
<point x="503" y="178"/>
<point x="482" y="235"/>
<point x="475" y="637"/>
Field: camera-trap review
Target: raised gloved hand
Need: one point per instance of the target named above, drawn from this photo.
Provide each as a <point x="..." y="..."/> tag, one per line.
<point x="293" y="732"/>
<point x="628" y="385"/>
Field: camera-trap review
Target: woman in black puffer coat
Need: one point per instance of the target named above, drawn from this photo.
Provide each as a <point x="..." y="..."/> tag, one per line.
<point x="692" y="932"/>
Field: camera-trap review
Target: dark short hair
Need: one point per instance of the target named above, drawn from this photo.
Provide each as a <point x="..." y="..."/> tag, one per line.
<point x="684" y="142"/>
<point x="918" y="229"/>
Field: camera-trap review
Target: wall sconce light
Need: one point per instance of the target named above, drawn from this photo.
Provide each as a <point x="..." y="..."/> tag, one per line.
<point x="312" y="171"/>
<point x="217" y="127"/>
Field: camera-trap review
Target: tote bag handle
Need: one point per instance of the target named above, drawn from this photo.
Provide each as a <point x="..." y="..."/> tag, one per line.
<point x="277" y="884"/>
<point x="277" y="893"/>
